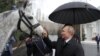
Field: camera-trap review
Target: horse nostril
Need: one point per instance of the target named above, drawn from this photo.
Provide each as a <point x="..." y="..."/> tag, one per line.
<point x="30" y="17"/>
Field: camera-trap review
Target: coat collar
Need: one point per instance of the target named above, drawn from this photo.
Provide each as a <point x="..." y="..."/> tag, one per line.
<point x="72" y="40"/>
<point x="68" y="40"/>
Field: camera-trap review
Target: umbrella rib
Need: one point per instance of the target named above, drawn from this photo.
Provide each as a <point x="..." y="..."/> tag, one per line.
<point x="90" y="14"/>
<point x="96" y="14"/>
<point x="74" y="16"/>
<point x="69" y="15"/>
<point x="77" y="16"/>
<point x="82" y="13"/>
<point x="61" y="15"/>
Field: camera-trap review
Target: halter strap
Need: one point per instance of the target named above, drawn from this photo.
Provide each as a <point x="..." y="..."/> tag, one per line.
<point x="35" y="26"/>
<point x="28" y="24"/>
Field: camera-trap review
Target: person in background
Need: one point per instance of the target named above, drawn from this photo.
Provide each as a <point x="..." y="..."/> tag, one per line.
<point x="97" y="38"/>
<point x="8" y="47"/>
<point x="77" y="38"/>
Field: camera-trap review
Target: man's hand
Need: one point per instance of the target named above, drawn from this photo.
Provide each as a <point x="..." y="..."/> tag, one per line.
<point x="45" y="34"/>
<point x="28" y="40"/>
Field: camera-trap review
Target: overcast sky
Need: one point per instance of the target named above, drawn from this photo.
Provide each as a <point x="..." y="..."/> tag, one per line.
<point x="50" y="5"/>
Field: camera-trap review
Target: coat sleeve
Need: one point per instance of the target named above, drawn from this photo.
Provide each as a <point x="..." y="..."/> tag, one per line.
<point x="49" y="43"/>
<point x="79" y="50"/>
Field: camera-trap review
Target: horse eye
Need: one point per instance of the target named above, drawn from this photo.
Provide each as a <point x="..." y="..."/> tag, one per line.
<point x="30" y="17"/>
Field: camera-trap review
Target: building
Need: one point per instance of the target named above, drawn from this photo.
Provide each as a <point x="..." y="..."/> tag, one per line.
<point x="91" y="29"/>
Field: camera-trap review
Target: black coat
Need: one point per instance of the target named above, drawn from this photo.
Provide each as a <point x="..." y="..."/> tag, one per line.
<point x="72" y="48"/>
<point x="97" y="39"/>
<point x="37" y="47"/>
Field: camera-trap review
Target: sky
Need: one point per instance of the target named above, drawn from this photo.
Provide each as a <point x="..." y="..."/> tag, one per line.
<point x="49" y="6"/>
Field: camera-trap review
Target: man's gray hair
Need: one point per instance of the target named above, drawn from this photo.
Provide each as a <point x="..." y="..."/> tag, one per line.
<point x="71" y="30"/>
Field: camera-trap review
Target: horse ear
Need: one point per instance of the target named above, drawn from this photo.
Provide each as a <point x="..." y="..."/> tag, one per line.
<point x="25" y="4"/>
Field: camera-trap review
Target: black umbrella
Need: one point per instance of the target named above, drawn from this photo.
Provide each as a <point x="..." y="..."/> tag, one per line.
<point x="75" y="13"/>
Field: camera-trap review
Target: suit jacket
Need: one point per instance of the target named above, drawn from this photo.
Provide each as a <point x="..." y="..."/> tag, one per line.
<point x="72" y="48"/>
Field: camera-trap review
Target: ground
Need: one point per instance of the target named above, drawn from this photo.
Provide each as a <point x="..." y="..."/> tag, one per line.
<point x="90" y="49"/>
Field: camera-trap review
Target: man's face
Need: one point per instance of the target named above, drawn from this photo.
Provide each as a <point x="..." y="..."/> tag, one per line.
<point x="65" y="33"/>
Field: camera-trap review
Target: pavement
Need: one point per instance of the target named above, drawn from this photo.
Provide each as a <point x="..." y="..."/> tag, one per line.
<point x="89" y="47"/>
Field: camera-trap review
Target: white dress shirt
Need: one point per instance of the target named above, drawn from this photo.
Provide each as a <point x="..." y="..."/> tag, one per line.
<point x="67" y="40"/>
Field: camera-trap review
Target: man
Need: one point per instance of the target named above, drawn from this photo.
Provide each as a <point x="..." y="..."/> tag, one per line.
<point x="97" y="38"/>
<point x="66" y="44"/>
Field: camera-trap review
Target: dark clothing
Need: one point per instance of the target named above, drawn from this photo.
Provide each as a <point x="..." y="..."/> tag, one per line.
<point x="38" y="47"/>
<point x="72" y="48"/>
<point x="77" y="38"/>
<point x="32" y="49"/>
<point x="8" y="47"/>
<point x="97" y="38"/>
<point x="6" y="53"/>
<point x="29" y="49"/>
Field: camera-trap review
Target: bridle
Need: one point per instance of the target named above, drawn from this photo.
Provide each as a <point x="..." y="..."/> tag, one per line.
<point x="31" y="27"/>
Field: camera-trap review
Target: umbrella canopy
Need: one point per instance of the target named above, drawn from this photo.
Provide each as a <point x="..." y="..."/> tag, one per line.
<point x="75" y="13"/>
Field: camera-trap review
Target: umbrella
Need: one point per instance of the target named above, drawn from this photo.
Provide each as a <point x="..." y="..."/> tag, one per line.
<point x="75" y="13"/>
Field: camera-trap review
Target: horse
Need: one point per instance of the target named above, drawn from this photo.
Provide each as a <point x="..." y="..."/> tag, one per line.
<point x="22" y="19"/>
